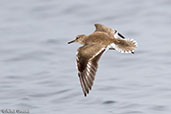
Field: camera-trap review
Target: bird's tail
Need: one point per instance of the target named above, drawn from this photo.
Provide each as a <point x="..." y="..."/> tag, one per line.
<point x="125" y="45"/>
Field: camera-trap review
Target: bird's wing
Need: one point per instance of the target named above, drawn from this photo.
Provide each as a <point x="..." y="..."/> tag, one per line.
<point x="111" y="32"/>
<point x="87" y="58"/>
<point x="102" y="28"/>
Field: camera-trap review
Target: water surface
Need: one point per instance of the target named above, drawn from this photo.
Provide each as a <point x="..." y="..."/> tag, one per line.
<point x="38" y="70"/>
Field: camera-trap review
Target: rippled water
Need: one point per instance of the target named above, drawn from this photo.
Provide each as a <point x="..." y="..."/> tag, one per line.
<point x="38" y="67"/>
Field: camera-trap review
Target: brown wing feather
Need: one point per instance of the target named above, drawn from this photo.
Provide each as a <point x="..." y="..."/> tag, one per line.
<point x="87" y="58"/>
<point x="106" y="29"/>
<point x="111" y="32"/>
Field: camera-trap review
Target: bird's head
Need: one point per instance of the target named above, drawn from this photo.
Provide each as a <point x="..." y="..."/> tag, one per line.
<point x="79" y="38"/>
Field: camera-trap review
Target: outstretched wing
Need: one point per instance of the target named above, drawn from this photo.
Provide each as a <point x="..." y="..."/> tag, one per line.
<point x="106" y="29"/>
<point x="87" y="58"/>
<point x="111" y="32"/>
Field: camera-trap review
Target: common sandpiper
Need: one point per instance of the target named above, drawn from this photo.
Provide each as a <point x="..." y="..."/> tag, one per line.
<point x="94" y="45"/>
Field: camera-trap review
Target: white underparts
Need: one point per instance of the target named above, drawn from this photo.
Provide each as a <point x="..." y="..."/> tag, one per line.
<point x="111" y="46"/>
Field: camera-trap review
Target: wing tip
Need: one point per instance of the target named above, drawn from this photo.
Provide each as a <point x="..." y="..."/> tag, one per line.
<point x="85" y="95"/>
<point x="87" y="74"/>
<point x="97" y="24"/>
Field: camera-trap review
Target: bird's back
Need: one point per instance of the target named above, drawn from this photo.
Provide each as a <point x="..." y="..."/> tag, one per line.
<point x="99" y="38"/>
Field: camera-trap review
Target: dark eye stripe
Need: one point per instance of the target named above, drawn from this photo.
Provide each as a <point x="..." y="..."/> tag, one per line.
<point x="121" y="35"/>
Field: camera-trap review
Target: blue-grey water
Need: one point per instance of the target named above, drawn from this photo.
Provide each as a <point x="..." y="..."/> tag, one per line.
<point x="37" y="66"/>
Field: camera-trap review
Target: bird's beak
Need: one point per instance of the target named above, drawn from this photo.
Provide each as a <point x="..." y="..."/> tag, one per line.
<point x="71" y="41"/>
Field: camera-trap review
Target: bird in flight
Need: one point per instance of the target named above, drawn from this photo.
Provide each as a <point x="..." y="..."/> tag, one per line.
<point x="94" y="45"/>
